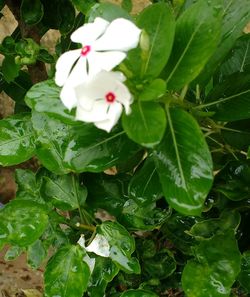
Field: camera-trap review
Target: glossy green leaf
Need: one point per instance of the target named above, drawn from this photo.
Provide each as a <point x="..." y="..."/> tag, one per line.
<point x="244" y="276"/>
<point x="230" y="100"/>
<point x="237" y="134"/>
<point x="45" y="97"/>
<point x="153" y="91"/>
<point x="103" y="273"/>
<point x="31" y="11"/>
<point x="211" y="227"/>
<point x="10" y="69"/>
<point x="138" y="293"/>
<point x="157" y="21"/>
<point x="28" y="188"/>
<point x="16" y="140"/>
<point x="184" y="164"/>
<point x="36" y="254"/>
<point x="233" y="180"/>
<point x="65" y="191"/>
<point x="235" y="18"/>
<point x="13" y="252"/>
<point x="214" y="269"/>
<point x="197" y="35"/>
<point x="66" y="273"/>
<point x="145" y="124"/>
<point x="83" y="6"/>
<point x="106" y="192"/>
<point x="26" y="221"/>
<point x="122" y="245"/>
<point x="63" y="148"/>
<point x="107" y="11"/>
<point x="161" y="266"/>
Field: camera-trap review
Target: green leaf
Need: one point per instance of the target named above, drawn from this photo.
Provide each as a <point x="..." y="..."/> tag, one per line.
<point x="127" y="5"/>
<point x="106" y="192"/>
<point x="66" y="273"/>
<point x="63" y="148"/>
<point x="184" y="163"/>
<point x="244" y="276"/>
<point x="138" y="293"/>
<point x="16" y="140"/>
<point x="107" y="11"/>
<point x="230" y="100"/>
<point x="65" y="191"/>
<point x="237" y="134"/>
<point x="36" y="254"/>
<point x="103" y="273"/>
<point x="235" y="18"/>
<point x="122" y="245"/>
<point x="153" y="91"/>
<point x="45" y="97"/>
<point x="26" y="221"/>
<point x="145" y="124"/>
<point x="4" y="233"/>
<point x="214" y="269"/>
<point x="83" y="6"/>
<point x="67" y="13"/>
<point x="10" y="69"/>
<point x="13" y="252"/>
<point x="196" y="38"/>
<point x="31" y="11"/>
<point x="28" y="187"/>
<point x="157" y="21"/>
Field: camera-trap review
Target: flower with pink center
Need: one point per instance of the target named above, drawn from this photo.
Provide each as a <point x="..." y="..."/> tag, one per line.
<point x="104" y="46"/>
<point x="101" y="99"/>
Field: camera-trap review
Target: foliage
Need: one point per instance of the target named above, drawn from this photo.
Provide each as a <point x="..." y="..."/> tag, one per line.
<point x="172" y="177"/>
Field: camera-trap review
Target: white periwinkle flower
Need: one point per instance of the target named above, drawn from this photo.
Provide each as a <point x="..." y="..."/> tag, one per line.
<point x="104" y="46"/>
<point x="101" y="100"/>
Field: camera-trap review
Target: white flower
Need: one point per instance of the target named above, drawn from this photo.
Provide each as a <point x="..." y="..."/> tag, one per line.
<point x="99" y="246"/>
<point x="100" y="100"/>
<point x="104" y="46"/>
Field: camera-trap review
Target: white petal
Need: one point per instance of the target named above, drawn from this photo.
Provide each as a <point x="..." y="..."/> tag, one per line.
<point x="118" y="76"/>
<point x="121" y="35"/>
<point x="113" y="117"/>
<point x="123" y="96"/>
<point x="99" y="246"/>
<point x="89" y="32"/>
<point x="98" y="113"/>
<point x="64" y="65"/>
<point x="81" y="241"/>
<point x="90" y="262"/>
<point x="79" y="74"/>
<point x="68" y="96"/>
<point x="98" y="61"/>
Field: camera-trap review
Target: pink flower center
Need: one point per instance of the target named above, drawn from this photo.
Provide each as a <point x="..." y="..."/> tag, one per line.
<point x="85" y="50"/>
<point x="110" y="97"/>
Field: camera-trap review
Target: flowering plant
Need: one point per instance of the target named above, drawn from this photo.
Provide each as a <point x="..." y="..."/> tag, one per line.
<point x="138" y="125"/>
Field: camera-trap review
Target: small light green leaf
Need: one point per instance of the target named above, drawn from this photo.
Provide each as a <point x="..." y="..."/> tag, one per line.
<point x="138" y="293"/>
<point x="25" y="220"/>
<point x="31" y="11"/>
<point x="214" y="269"/>
<point x="184" y="164"/>
<point x="145" y="124"/>
<point x="244" y="276"/>
<point x="66" y="273"/>
<point x="104" y="272"/>
<point x="122" y="245"/>
<point x="196" y="38"/>
<point x="65" y="191"/>
<point x="16" y="140"/>
<point x="153" y="91"/>
<point x="36" y="254"/>
<point x="13" y="252"/>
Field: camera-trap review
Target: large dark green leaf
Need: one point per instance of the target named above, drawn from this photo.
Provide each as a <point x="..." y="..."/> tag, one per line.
<point x="45" y="97"/>
<point x="10" y="69"/>
<point x="65" y="191"/>
<point x="235" y="17"/>
<point x="66" y="274"/>
<point x="184" y="163"/>
<point x="214" y="269"/>
<point x="158" y="22"/>
<point x="138" y="293"/>
<point x="122" y="245"/>
<point x="146" y="123"/>
<point x="196" y="38"/>
<point x="63" y="148"/>
<point x="25" y="220"/>
<point x="230" y="100"/>
<point x="31" y="11"/>
<point x="104" y="272"/>
<point x="16" y="140"/>
<point x="244" y="276"/>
